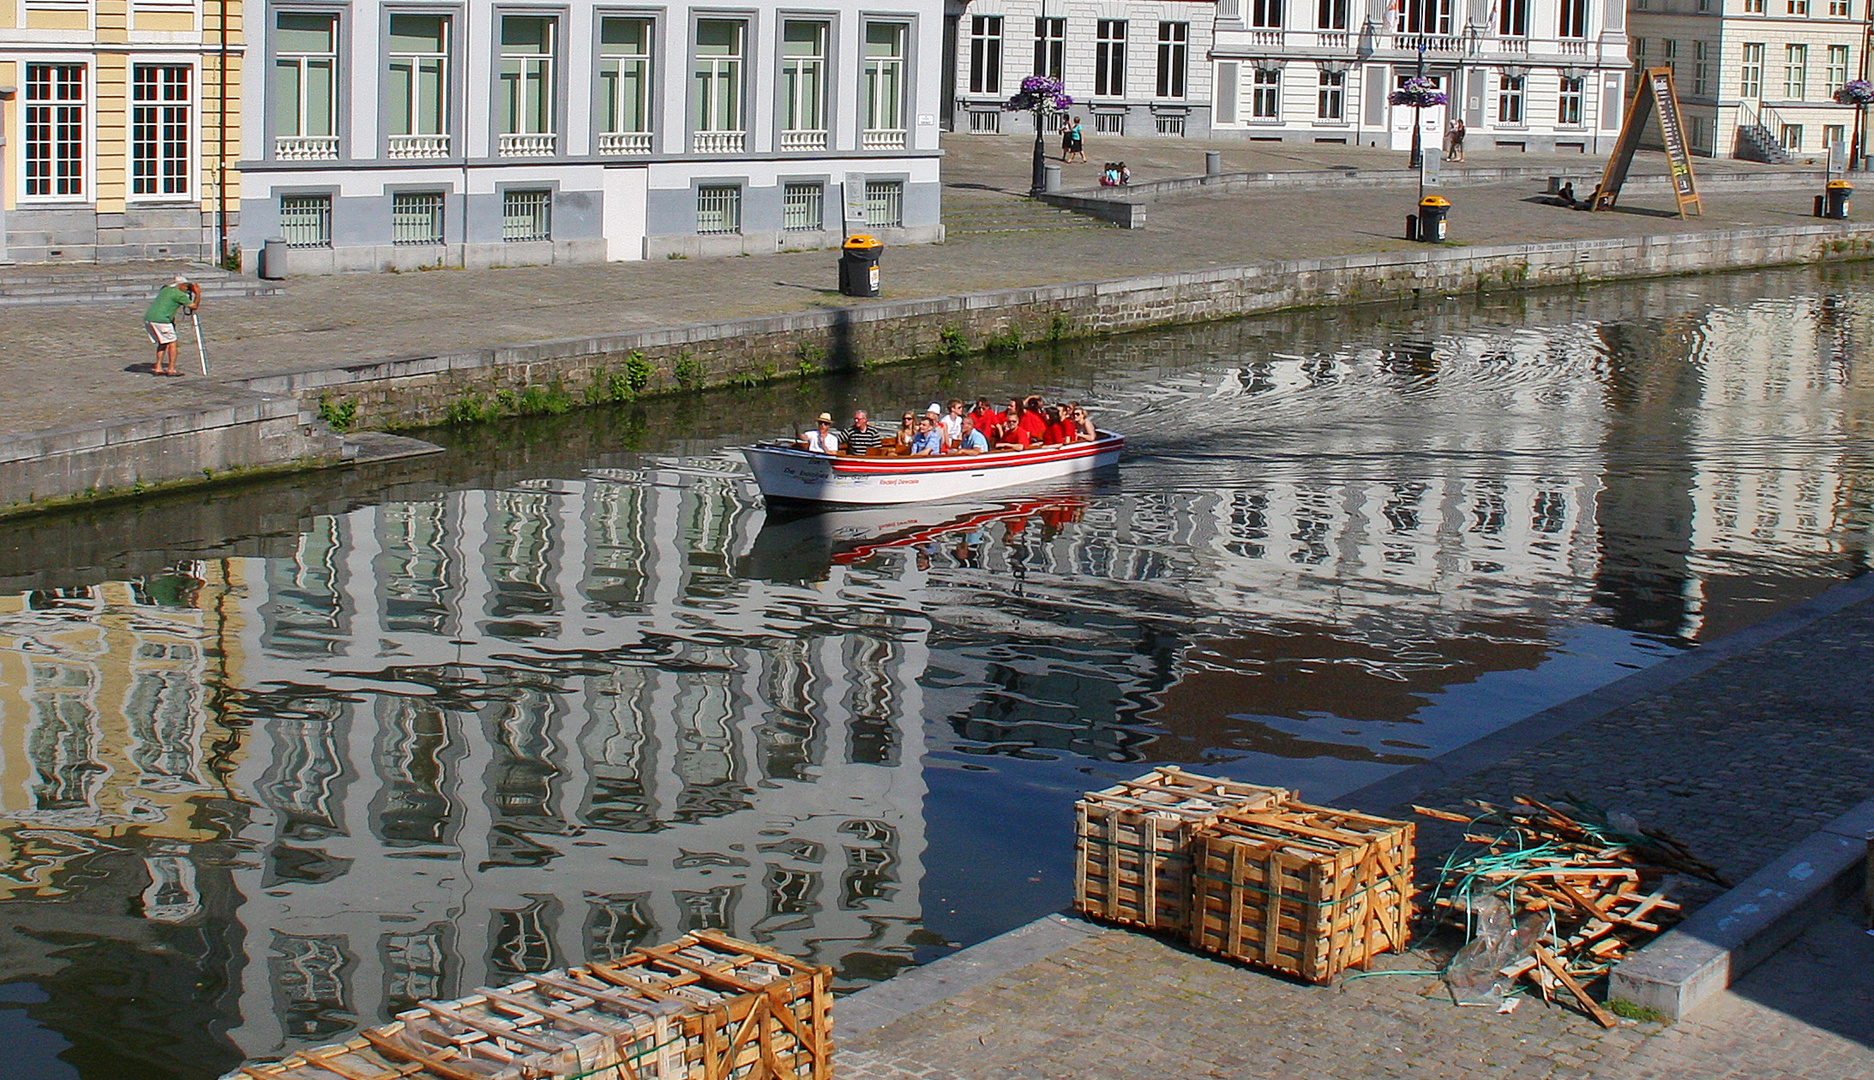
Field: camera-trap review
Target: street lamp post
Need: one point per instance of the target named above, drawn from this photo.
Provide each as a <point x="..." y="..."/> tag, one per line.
<point x="1040" y="95"/>
<point x="1418" y="118"/>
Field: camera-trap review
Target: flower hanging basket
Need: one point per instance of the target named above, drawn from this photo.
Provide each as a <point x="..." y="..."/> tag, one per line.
<point x="1040" y="94"/>
<point x="1418" y="93"/>
<point x="1856" y="92"/>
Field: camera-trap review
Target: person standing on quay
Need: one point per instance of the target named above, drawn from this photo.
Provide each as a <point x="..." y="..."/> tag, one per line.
<point x="1074" y="142"/>
<point x="159" y="319"/>
<point x="1456" y="153"/>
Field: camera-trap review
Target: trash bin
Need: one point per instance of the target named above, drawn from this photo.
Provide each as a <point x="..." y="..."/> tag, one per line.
<point x="272" y="258"/>
<point x="858" y="266"/>
<point x="1432" y="213"/>
<point x="1835" y="202"/>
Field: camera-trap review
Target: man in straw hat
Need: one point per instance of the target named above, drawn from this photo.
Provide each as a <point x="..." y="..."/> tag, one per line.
<point x="180" y="294"/>
<point x="823" y="439"/>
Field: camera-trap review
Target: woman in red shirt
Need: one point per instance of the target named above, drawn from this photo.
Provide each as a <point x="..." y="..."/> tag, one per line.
<point x="1056" y="432"/>
<point x="1033" y="420"/>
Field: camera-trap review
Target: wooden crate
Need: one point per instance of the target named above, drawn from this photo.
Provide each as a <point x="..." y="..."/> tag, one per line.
<point x="1132" y="843"/>
<point x="705" y="1007"/>
<point x="1302" y="889"/>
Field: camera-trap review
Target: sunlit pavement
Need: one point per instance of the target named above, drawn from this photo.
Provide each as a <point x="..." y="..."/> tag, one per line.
<point x="1740" y="761"/>
<point x="65" y="365"/>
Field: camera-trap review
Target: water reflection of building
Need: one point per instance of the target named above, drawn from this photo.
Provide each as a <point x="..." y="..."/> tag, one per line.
<point x="516" y="729"/>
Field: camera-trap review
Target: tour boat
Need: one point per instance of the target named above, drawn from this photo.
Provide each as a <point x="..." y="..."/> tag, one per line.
<point x="787" y="474"/>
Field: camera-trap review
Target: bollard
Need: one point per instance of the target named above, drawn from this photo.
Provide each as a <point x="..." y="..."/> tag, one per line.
<point x="1053" y="177"/>
<point x="272" y="261"/>
<point x="1213" y="163"/>
<point x="1412" y="227"/>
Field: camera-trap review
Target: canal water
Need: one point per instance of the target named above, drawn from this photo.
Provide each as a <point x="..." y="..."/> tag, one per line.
<point x="279" y="761"/>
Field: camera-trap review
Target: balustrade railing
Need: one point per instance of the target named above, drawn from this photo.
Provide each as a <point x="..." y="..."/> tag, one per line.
<point x="305" y="147"/>
<point x="417" y="146"/>
<point x="535" y="144"/>
<point x="624" y="142"/>
<point x="803" y="140"/>
<point x="719" y="142"/>
<point x="883" y="139"/>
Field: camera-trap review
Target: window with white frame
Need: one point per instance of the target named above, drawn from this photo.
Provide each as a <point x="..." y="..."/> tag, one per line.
<point x="1701" y="68"/>
<point x="718" y="117"/>
<point x="1574" y="20"/>
<point x="1834" y="133"/>
<point x="160" y="125"/>
<point x="418" y="89"/>
<point x="1638" y="51"/>
<point x="884" y="204"/>
<point x="1425" y="17"/>
<point x="1568" y="105"/>
<point x="1265" y="94"/>
<point x="1798" y="7"/>
<point x="718" y="209"/>
<point x="1510" y="99"/>
<point x="625" y="85"/>
<point x="1795" y="72"/>
<point x="1701" y="133"/>
<point x="885" y="85"/>
<point x="1704" y="5"/>
<point x="1109" y="58"/>
<point x="1753" y="7"/>
<point x="985" y="54"/>
<point x="1513" y="18"/>
<point x="1750" y="71"/>
<point x="1331" y="96"/>
<point x="55" y="130"/>
<point x="528" y="45"/>
<point x="803" y="85"/>
<point x="1837" y="69"/>
<point x="1330" y="15"/>
<point x="803" y="206"/>
<point x="1173" y="56"/>
<point x="416" y="217"/>
<point x="306" y="220"/>
<point x="305" y="86"/>
<point x="1791" y="136"/>
<point x="1265" y="14"/>
<point x="526" y="216"/>
<point x="1669" y="55"/>
<point x="1050" y="46"/>
<point x="1837" y="9"/>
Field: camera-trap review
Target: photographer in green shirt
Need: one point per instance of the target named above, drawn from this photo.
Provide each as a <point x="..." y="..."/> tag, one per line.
<point x="160" y="320"/>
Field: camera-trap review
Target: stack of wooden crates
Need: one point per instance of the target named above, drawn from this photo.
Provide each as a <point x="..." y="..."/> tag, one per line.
<point x="1246" y="872"/>
<point x="705" y="1007"/>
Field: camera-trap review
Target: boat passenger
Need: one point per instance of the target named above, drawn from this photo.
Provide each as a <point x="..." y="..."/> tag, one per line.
<point x="1033" y="419"/>
<point x="823" y="439"/>
<point x="907" y="430"/>
<point x="986" y="417"/>
<point x="928" y="440"/>
<point x="1056" y="431"/>
<point x="972" y="441"/>
<point x="952" y="424"/>
<point x="861" y="437"/>
<point x="1083" y="425"/>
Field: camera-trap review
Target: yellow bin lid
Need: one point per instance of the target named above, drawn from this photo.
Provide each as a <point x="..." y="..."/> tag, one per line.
<point x="1433" y="200"/>
<point x="861" y="240"/>
<point x="1840" y="185"/>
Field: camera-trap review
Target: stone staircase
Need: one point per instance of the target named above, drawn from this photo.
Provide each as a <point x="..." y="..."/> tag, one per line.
<point x="1758" y="143"/>
<point x="974" y="210"/>
<point x="40" y="284"/>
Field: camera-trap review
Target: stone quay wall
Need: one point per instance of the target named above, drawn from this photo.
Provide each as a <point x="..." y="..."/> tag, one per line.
<point x="420" y="391"/>
<point x="285" y="420"/>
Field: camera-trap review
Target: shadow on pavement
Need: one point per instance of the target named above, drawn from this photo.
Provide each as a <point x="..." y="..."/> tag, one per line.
<point x="1823" y="980"/>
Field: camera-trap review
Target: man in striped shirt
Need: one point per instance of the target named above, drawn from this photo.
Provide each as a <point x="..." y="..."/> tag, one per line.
<point x="861" y="438"/>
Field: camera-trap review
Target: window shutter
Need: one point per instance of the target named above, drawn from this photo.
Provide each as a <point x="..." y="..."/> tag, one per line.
<point x="1226" y="93"/>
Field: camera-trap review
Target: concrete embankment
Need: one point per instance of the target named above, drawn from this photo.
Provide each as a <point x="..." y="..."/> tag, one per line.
<point x="276" y="420"/>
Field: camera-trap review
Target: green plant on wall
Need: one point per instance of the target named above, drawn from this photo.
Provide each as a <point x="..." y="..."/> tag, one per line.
<point x="638" y="372"/>
<point x="688" y="371"/>
<point x="469" y="409"/>
<point x="338" y="415"/>
<point x="951" y="345"/>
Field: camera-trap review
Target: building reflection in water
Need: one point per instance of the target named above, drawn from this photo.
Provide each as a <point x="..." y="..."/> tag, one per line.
<point x="447" y="742"/>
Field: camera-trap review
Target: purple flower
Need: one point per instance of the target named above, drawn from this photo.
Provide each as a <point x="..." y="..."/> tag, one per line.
<point x="1856" y="92"/>
<point x="1040" y="93"/>
<point x="1419" y="93"/>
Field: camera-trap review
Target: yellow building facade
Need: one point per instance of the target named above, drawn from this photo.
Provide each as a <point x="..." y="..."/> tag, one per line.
<point x="122" y="125"/>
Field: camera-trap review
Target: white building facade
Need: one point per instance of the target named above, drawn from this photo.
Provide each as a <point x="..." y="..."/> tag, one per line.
<point x="1757" y="79"/>
<point x="1523" y="74"/>
<point x="394" y="135"/>
<point x="1131" y="68"/>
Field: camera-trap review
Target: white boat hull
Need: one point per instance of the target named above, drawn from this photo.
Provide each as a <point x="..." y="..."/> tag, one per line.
<point x="789" y="475"/>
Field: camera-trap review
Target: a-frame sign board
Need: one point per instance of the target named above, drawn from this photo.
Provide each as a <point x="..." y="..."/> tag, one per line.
<point x="1657" y="95"/>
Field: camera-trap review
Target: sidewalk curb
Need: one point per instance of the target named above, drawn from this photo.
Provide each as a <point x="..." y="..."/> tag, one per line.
<point x="1723" y="940"/>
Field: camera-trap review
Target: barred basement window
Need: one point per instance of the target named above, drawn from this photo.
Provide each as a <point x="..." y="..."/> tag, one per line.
<point x="884" y="204"/>
<point x="1109" y="123"/>
<point x="416" y="217"/>
<point x="306" y="220"/>
<point x="1170" y="125"/>
<point x="803" y="206"/>
<point x="526" y="216"/>
<point x="718" y="209"/>
<point x="984" y="122"/>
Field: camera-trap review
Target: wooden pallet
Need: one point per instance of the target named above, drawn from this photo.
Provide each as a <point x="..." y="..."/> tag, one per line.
<point x="1133" y="844"/>
<point x="705" y="1007"/>
<point x="1300" y="889"/>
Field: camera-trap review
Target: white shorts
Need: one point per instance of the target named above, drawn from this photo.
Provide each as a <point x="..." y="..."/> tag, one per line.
<point x="163" y="333"/>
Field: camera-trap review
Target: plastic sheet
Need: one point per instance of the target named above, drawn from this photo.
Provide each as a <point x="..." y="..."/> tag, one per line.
<point x="1475" y="975"/>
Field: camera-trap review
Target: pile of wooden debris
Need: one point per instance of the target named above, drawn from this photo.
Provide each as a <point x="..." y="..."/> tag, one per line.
<point x="1556" y="893"/>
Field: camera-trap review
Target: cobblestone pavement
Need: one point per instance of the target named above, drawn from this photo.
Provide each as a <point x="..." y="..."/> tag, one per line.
<point x="73" y="364"/>
<point x="1740" y="761"/>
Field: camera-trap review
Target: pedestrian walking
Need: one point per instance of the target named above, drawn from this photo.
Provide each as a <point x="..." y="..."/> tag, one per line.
<point x="1456" y="153"/>
<point x="1074" y="142"/>
<point x="159" y="319"/>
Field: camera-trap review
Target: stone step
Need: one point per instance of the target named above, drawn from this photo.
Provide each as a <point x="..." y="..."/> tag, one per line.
<point x="18" y="289"/>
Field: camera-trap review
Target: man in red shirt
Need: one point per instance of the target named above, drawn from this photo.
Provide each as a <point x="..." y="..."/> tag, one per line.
<point x="986" y="418"/>
<point x="1012" y="435"/>
<point x="1033" y="420"/>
